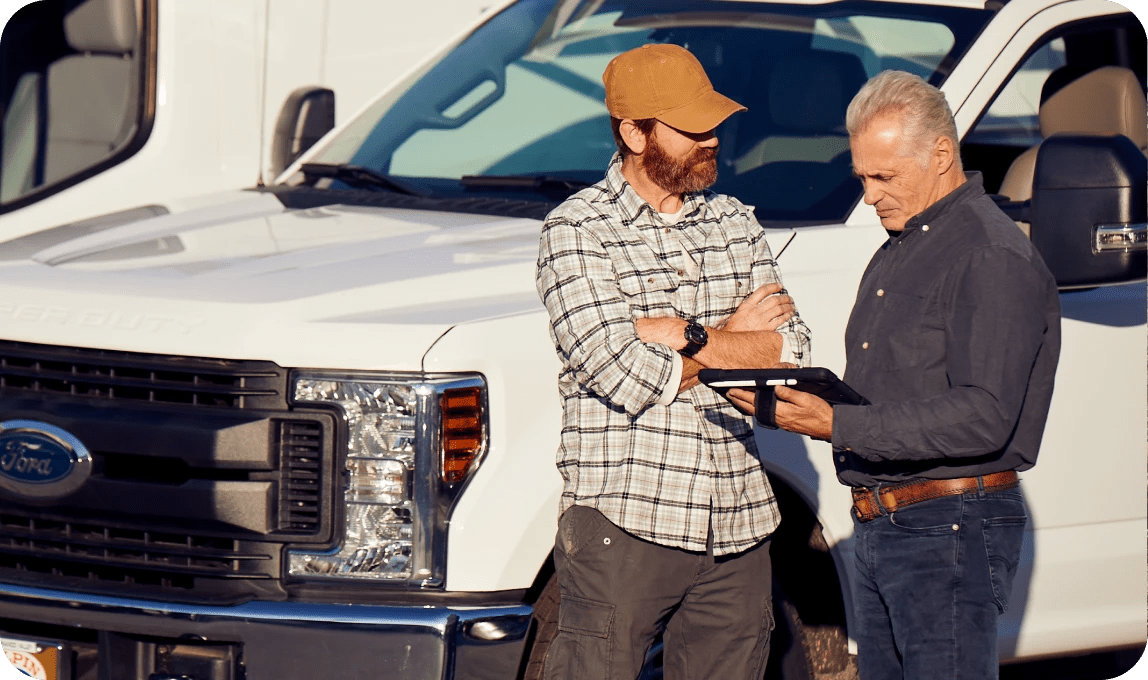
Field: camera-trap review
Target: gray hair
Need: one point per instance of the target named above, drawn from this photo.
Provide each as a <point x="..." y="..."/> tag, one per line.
<point x="925" y="115"/>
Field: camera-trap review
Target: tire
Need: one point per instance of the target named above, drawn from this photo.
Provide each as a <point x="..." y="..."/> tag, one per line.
<point x="788" y="658"/>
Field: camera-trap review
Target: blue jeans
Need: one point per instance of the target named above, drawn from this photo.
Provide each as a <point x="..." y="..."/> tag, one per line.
<point x="932" y="579"/>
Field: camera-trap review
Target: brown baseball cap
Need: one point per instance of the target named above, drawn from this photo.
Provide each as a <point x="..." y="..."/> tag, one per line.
<point x="668" y="83"/>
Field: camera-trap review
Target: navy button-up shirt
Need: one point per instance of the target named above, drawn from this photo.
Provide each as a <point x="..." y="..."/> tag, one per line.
<point x="954" y="339"/>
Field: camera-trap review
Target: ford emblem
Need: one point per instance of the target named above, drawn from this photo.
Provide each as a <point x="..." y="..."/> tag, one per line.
<point x="39" y="461"/>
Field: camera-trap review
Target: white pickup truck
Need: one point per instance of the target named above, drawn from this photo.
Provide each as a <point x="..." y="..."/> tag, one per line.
<point x="308" y="429"/>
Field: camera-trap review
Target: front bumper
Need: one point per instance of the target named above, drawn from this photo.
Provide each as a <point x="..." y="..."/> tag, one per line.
<point x="140" y="639"/>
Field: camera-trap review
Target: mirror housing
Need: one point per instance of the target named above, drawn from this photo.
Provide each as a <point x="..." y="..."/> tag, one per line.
<point x="1089" y="209"/>
<point x="307" y="114"/>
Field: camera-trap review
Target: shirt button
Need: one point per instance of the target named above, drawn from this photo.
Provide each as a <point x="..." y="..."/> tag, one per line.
<point x="841" y="458"/>
<point x="739" y="284"/>
<point x="679" y="272"/>
<point x="881" y="293"/>
<point x="925" y="228"/>
<point x="865" y="345"/>
<point x="667" y="230"/>
<point x="650" y="280"/>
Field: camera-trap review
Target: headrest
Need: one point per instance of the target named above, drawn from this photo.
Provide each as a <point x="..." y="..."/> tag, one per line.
<point x="1108" y="100"/>
<point x="104" y="26"/>
<point x="810" y="91"/>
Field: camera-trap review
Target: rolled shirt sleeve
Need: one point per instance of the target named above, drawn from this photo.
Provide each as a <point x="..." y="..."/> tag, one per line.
<point x="592" y="323"/>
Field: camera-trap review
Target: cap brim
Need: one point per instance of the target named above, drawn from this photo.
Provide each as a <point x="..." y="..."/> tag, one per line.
<point x="702" y="114"/>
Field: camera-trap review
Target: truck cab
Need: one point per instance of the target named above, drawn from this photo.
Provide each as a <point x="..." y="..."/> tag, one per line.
<point x="310" y="428"/>
<point x="111" y="110"/>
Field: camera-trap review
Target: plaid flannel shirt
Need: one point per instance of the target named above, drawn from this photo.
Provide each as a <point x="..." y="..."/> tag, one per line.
<point x="664" y="473"/>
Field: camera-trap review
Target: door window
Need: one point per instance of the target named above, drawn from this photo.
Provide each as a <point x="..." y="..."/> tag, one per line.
<point x="1011" y="123"/>
<point x="73" y="92"/>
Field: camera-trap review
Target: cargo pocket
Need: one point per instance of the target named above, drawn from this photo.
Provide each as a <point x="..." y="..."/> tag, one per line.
<point x="583" y="647"/>
<point x="765" y="635"/>
<point x="1003" y="536"/>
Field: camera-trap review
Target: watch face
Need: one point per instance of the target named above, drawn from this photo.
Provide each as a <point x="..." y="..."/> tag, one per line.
<point x="696" y="333"/>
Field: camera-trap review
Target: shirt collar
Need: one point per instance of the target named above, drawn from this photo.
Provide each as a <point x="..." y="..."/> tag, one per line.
<point x="972" y="188"/>
<point x="631" y="205"/>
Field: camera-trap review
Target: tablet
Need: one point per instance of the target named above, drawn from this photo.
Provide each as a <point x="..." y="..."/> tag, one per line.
<point x="817" y="381"/>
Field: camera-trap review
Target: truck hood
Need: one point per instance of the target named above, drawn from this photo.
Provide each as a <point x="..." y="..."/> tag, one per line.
<point x="371" y="288"/>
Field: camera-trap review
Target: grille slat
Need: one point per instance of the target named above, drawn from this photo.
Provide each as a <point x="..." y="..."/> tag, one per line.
<point x="151" y="378"/>
<point x="300" y="493"/>
<point x="63" y="541"/>
<point x="77" y="379"/>
<point x="28" y="542"/>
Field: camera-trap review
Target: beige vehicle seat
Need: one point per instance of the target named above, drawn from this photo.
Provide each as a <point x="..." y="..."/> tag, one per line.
<point x="1106" y="101"/>
<point x="92" y="96"/>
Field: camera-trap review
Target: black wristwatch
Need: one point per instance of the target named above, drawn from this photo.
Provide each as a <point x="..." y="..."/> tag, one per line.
<point x="696" y="339"/>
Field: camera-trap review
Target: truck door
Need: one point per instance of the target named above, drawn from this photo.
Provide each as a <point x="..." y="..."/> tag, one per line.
<point x="1093" y="446"/>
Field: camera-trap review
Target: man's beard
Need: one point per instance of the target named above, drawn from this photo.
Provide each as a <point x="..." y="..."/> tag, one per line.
<point x="695" y="172"/>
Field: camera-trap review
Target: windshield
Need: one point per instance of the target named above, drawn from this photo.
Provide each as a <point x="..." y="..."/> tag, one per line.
<point x="523" y="96"/>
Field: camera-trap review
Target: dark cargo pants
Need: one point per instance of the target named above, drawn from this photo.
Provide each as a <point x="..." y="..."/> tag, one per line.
<point x="618" y="592"/>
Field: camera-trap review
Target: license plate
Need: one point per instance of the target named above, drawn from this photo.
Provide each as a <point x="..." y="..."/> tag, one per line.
<point x="38" y="660"/>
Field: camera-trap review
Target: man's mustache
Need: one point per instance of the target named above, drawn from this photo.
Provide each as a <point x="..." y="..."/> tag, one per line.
<point x="707" y="153"/>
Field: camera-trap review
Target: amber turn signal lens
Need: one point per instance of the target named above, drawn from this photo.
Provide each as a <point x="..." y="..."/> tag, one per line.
<point x="462" y="435"/>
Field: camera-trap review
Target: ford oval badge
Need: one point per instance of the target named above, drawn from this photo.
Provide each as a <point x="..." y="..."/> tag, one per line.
<point x="39" y="461"/>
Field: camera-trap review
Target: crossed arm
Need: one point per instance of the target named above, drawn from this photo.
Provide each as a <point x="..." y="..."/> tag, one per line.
<point x="748" y="339"/>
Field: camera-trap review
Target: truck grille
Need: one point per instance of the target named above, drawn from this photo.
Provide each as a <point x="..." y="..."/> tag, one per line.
<point x="129" y="376"/>
<point x="202" y="474"/>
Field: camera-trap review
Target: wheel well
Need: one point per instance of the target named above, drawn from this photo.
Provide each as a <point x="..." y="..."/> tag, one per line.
<point x="804" y="569"/>
<point x="540" y="581"/>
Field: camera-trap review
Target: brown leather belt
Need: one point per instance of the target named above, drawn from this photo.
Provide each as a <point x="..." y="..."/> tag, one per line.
<point x="869" y="502"/>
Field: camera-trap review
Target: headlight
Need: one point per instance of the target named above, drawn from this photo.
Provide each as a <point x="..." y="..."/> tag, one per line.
<point x="412" y="441"/>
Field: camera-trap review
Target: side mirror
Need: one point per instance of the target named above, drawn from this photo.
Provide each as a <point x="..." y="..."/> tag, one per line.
<point x="1089" y="209"/>
<point x="307" y="115"/>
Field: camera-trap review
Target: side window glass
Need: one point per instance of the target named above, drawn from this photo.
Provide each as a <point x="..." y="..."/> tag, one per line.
<point x="71" y="73"/>
<point x="1013" y="119"/>
<point x="1002" y="145"/>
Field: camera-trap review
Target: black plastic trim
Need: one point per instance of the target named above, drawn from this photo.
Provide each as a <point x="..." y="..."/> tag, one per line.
<point x="302" y="197"/>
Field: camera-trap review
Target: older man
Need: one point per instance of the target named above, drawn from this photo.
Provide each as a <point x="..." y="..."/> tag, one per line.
<point x="666" y="511"/>
<point x="954" y="338"/>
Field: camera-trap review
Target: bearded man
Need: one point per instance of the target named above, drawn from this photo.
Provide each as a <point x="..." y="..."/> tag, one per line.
<point x="666" y="512"/>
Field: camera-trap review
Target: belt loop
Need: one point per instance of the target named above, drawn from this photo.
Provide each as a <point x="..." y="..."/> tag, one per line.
<point x="878" y="506"/>
<point x="980" y="486"/>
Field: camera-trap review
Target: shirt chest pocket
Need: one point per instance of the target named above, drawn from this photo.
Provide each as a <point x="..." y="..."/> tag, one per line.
<point x="910" y="329"/>
<point x="649" y="290"/>
<point x="725" y="282"/>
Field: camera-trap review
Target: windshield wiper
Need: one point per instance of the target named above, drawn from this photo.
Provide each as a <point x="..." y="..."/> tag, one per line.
<point x="357" y="175"/>
<point x="524" y="182"/>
